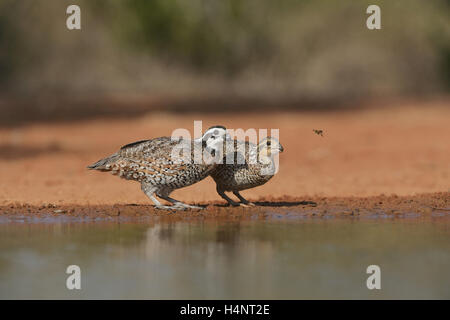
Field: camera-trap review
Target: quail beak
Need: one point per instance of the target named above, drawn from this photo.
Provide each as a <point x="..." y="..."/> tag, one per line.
<point x="281" y="149"/>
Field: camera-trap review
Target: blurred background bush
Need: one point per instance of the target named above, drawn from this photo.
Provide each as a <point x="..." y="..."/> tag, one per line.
<point x="216" y="55"/>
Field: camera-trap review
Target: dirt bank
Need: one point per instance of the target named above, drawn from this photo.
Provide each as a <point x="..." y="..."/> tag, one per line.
<point x="434" y="205"/>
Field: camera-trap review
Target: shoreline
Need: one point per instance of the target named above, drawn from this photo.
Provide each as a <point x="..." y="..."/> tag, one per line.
<point x="428" y="205"/>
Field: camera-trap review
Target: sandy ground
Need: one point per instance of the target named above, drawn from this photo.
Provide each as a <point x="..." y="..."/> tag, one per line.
<point x="400" y="149"/>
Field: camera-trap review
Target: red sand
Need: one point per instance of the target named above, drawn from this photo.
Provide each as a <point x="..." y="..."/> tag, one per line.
<point x="402" y="150"/>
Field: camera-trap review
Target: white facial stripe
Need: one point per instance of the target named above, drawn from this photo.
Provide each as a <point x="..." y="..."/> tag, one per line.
<point x="216" y="132"/>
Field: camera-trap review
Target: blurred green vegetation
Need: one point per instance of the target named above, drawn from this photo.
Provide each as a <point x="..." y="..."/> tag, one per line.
<point x="232" y="37"/>
<point x="204" y="34"/>
<point x="252" y="48"/>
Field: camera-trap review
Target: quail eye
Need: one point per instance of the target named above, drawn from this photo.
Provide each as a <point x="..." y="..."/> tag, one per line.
<point x="268" y="143"/>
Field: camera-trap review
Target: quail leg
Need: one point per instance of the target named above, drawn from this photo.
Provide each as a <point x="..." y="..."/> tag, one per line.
<point x="243" y="200"/>
<point x="228" y="199"/>
<point x="187" y="206"/>
<point x="182" y="205"/>
<point x="149" y="190"/>
<point x="177" y="205"/>
<point x="158" y="204"/>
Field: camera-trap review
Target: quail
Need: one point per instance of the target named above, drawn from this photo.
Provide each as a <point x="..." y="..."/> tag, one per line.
<point x="157" y="165"/>
<point x="251" y="166"/>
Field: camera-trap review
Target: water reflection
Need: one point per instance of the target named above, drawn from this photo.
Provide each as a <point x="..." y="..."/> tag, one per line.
<point x="208" y="260"/>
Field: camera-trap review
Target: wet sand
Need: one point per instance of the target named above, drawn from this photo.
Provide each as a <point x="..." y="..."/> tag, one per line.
<point x="435" y="205"/>
<point x="390" y="159"/>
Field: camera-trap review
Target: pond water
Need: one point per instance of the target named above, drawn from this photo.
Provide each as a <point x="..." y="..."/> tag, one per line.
<point x="227" y="260"/>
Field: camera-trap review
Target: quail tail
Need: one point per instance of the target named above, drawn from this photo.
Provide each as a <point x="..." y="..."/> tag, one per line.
<point x="101" y="164"/>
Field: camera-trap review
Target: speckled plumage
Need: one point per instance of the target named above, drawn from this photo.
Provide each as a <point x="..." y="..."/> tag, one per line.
<point x="253" y="166"/>
<point x="155" y="165"/>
